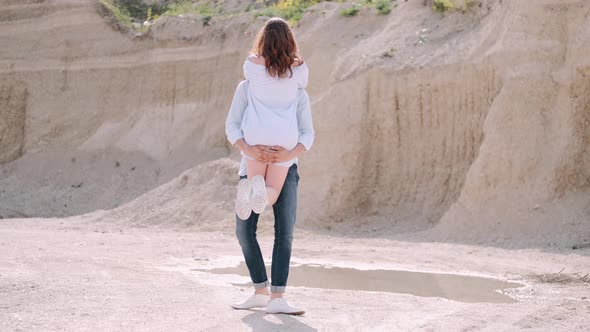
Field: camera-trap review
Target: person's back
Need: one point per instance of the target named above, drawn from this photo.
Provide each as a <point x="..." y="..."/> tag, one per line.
<point x="274" y="92"/>
<point x="271" y="117"/>
<point x="271" y="125"/>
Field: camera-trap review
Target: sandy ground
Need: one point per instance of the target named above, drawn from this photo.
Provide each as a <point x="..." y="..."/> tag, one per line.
<point x="67" y="274"/>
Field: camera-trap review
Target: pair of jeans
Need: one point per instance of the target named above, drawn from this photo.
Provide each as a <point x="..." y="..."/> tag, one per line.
<point x="284" y="212"/>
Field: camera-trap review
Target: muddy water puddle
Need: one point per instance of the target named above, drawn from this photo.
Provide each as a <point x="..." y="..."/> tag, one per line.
<point x="449" y="286"/>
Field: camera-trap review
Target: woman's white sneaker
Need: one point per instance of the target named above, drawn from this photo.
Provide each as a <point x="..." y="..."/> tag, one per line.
<point x="254" y="301"/>
<point x="243" y="207"/>
<point x="259" y="195"/>
<point x="280" y="306"/>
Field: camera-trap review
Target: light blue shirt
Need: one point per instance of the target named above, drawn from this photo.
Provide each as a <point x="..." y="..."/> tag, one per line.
<point x="233" y="123"/>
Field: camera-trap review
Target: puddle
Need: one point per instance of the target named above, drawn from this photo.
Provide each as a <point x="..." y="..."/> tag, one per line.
<point x="449" y="286"/>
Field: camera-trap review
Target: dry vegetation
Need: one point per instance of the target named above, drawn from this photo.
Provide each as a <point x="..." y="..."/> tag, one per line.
<point x="561" y="278"/>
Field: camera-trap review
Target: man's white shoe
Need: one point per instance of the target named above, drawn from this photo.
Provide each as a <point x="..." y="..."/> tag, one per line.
<point x="254" y="301"/>
<point x="259" y="195"/>
<point x="280" y="306"/>
<point x="243" y="207"/>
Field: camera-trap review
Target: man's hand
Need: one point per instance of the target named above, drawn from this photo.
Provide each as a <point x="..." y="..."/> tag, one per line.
<point x="279" y="154"/>
<point x="261" y="153"/>
<point x="269" y="154"/>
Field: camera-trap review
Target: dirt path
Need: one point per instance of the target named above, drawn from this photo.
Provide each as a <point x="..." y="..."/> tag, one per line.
<point x="64" y="274"/>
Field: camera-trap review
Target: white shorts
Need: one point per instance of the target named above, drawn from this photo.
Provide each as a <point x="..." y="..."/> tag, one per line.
<point x="282" y="164"/>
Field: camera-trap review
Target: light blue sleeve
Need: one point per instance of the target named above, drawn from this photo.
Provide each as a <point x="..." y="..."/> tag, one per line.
<point x="304" y="119"/>
<point x="304" y="78"/>
<point x="246" y="70"/>
<point x="233" y="123"/>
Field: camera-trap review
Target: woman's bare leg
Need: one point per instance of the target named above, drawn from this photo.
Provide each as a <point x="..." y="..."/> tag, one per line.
<point x="255" y="167"/>
<point x="275" y="178"/>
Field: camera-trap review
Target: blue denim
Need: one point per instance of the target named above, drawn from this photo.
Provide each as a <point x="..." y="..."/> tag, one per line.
<point x="284" y="212"/>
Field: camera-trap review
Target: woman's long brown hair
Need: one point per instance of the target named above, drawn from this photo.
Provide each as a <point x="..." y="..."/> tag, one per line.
<point x="276" y="44"/>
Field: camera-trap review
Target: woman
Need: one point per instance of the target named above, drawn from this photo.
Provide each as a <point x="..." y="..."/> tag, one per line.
<point x="275" y="73"/>
<point x="270" y="122"/>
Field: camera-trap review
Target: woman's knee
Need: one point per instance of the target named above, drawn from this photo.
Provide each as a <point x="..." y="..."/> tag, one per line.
<point x="284" y="234"/>
<point x="273" y="195"/>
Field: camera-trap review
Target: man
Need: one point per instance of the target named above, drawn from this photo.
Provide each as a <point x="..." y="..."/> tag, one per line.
<point x="284" y="209"/>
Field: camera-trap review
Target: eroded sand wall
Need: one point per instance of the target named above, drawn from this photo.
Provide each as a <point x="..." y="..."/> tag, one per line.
<point x="13" y="103"/>
<point x="532" y="176"/>
<point x="138" y="110"/>
<point x="475" y="122"/>
<point x="399" y="144"/>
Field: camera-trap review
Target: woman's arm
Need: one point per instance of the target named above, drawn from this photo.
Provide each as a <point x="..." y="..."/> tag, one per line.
<point x="233" y="126"/>
<point x="304" y="120"/>
<point x="303" y="75"/>
<point x="233" y="123"/>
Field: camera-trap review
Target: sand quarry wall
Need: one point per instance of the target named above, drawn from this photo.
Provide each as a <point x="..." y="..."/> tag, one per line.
<point x="462" y="123"/>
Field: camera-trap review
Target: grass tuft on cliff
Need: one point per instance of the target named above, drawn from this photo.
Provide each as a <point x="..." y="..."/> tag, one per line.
<point x="451" y="5"/>
<point x="290" y="10"/>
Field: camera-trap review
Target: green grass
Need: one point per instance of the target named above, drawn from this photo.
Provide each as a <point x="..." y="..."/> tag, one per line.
<point x="188" y="7"/>
<point x="120" y="14"/>
<point x="139" y="10"/>
<point x="443" y="5"/>
<point x="470" y="3"/>
<point x="128" y="12"/>
<point x="450" y="5"/>
<point x="350" y="11"/>
<point x="290" y="10"/>
<point x="383" y="7"/>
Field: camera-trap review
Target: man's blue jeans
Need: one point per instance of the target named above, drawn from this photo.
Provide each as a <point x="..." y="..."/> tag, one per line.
<point x="284" y="212"/>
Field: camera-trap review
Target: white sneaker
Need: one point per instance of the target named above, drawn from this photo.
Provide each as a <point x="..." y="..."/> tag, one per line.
<point x="254" y="301"/>
<point x="280" y="306"/>
<point x="243" y="207"/>
<point x="259" y="195"/>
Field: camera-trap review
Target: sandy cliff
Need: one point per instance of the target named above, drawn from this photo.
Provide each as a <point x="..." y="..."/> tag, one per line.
<point x="469" y="126"/>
